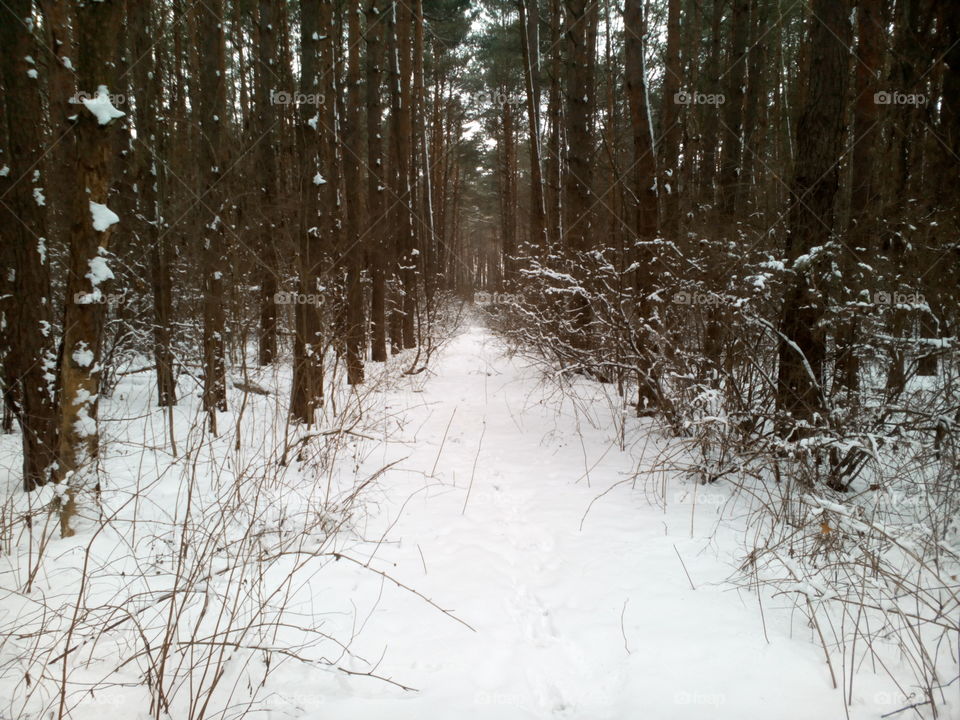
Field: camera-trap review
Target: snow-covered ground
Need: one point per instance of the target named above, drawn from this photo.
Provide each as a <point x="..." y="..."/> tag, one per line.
<point x="513" y="562"/>
<point x="575" y="614"/>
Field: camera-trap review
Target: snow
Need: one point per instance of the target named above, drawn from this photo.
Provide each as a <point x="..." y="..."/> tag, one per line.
<point x="102" y="107"/>
<point x="100" y="272"/>
<point x="577" y="614"/>
<point x="318" y="179"/>
<point x="103" y="217"/>
<point x="83" y="355"/>
<point x="580" y="580"/>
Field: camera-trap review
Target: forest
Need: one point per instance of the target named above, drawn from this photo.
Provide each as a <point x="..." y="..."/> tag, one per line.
<point x="493" y="359"/>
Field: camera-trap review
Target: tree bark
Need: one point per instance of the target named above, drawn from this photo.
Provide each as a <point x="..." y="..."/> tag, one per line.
<point x="25" y="309"/>
<point x="820" y="133"/>
<point x="147" y="81"/>
<point x="669" y="158"/>
<point x="211" y="102"/>
<point x="268" y="119"/>
<point x="353" y="152"/>
<point x="529" y="37"/>
<point x="98" y="28"/>
<point x="376" y="181"/>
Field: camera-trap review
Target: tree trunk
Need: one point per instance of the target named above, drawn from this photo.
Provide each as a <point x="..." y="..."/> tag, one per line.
<point x="98" y="28"/>
<point x="376" y="182"/>
<point x="866" y="136"/>
<point x="669" y="185"/>
<point x="25" y="309"/>
<point x="581" y="25"/>
<point x="529" y="38"/>
<point x="644" y="183"/>
<point x="308" y="348"/>
<point x="820" y="134"/>
<point x="732" y="135"/>
<point x="353" y="153"/>
<point x="266" y="178"/>
<point x="211" y="101"/>
<point x="147" y="81"/>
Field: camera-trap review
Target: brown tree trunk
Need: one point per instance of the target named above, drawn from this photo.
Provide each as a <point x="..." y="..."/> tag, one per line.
<point x="211" y="101"/>
<point x="529" y="40"/>
<point x="820" y="134"/>
<point x="266" y="142"/>
<point x="399" y="215"/>
<point x="580" y="31"/>
<point x="508" y="195"/>
<point x="644" y="160"/>
<point x="669" y="185"/>
<point x="376" y="182"/>
<point x="406" y="169"/>
<point x="308" y="347"/>
<point x="147" y="81"/>
<point x="98" y="28"/>
<point x="352" y="156"/>
<point x="732" y="134"/>
<point x="866" y="136"/>
<point x="25" y="309"/>
<point x="709" y="115"/>
<point x="644" y="181"/>
<point x="554" y="142"/>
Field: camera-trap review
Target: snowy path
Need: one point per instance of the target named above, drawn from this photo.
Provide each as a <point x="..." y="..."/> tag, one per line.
<point x="599" y="622"/>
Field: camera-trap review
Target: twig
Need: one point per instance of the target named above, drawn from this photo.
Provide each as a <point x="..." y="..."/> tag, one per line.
<point x="341" y="556"/>
<point x="377" y="677"/>
<point x="689" y="579"/>
<point x="443" y="442"/>
<point x="622" y="631"/>
<point x="908" y="707"/>
<point x="473" y="472"/>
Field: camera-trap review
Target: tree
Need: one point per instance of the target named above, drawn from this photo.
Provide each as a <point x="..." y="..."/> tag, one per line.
<point x="98" y="30"/>
<point x="355" y="211"/>
<point x="211" y="103"/>
<point x="530" y="37"/>
<point x="315" y="41"/>
<point x="669" y="183"/>
<point x="267" y="178"/>
<point x="30" y="349"/>
<point x="820" y="134"/>
<point x="376" y="180"/>
<point x="147" y="79"/>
